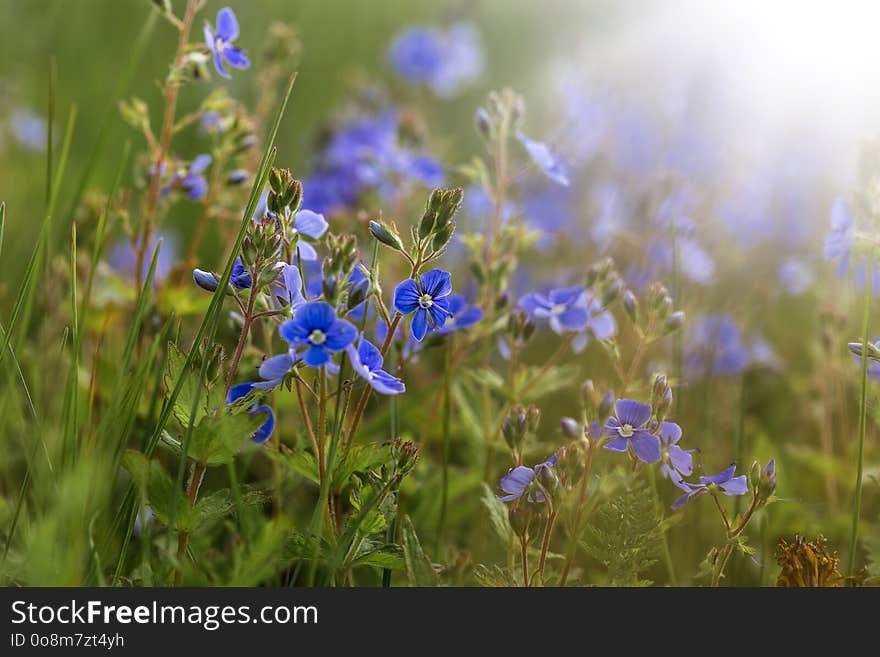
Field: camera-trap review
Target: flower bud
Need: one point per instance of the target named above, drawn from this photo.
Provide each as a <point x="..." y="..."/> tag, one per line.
<point x="386" y="235"/>
<point x="519" y="518"/>
<point x="514" y="428"/>
<point x="237" y="177"/>
<point x="631" y="305"/>
<point x="571" y="428"/>
<point x="405" y="454"/>
<point x="606" y="404"/>
<point x="590" y="395"/>
<point x="483" y="123"/>
<point x="276" y="182"/>
<point x="767" y="481"/>
<point x="292" y="197"/>
<point x="205" y="280"/>
<point x="674" y="322"/>
<point x="614" y="289"/>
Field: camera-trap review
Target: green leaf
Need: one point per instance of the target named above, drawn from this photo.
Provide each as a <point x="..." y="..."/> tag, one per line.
<point x="419" y="570"/>
<point x="380" y="555"/>
<point x="158" y="487"/>
<point x="213" y="506"/>
<point x="497" y="515"/>
<point x="302" y="463"/>
<point x="220" y="436"/>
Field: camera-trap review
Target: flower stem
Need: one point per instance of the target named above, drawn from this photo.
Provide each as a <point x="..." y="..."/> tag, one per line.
<point x="444" y="444"/>
<point x="545" y="544"/>
<point x="578" y="514"/>
<point x="524" y="549"/>
<point x="863" y="420"/>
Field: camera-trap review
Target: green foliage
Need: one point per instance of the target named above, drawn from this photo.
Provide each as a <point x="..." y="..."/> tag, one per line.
<point x="419" y="570"/>
<point x="627" y="536"/>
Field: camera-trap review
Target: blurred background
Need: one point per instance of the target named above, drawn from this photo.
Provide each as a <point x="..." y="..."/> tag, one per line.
<point x="737" y="121"/>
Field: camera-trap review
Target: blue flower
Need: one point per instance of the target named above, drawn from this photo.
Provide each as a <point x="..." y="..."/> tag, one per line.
<point x="317" y="328"/>
<point x="444" y="61"/>
<point x="628" y="429"/>
<point x="367" y="361"/>
<point x="839" y="242"/>
<point x="516" y="482"/>
<point x="676" y="462"/>
<point x="716" y="348"/>
<point x="220" y="43"/>
<point x="194" y="183"/>
<point x="205" y="280"/>
<point x="873" y="364"/>
<point x="427" y="298"/>
<point x="724" y="481"/>
<point x="359" y="285"/>
<point x="123" y="258"/>
<point x="289" y="287"/>
<point x="311" y="224"/>
<point x="29" y="129"/>
<point x="461" y="314"/>
<point x="795" y="276"/>
<point x="262" y="434"/>
<point x="566" y="308"/>
<point x="274" y="369"/>
<point x="240" y="277"/>
<point x="545" y="159"/>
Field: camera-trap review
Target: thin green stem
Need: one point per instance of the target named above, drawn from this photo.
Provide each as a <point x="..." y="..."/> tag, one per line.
<point x="863" y="421"/>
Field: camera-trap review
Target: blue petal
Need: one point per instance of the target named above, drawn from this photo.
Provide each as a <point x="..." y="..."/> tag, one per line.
<point x="316" y="315"/>
<point x="370" y="355"/>
<point x="646" y="446"/>
<point x="236" y="57"/>
<point x="218" y="64"/>
<point x="419" y="325"/>
<point x="306" y="251"/>
<point x="406" y="297"/>
<point x="619" y="444"/>
<point x="437" y="283"/>
<point x="670" y="432"/>
<point x="603" y="325"/>
<point x="316" y="356"/>
<point x="340" y="335"/>
<point x="293" y="331"/>
<point x="227" y="25"/>
<point x="238" y="391"/>
<point x="262" y="434"/>
<point x="544" y="158"/>
<point x="386" y="384"/>
<point x="205" y="280"/>
<point x="721" y="477"/>
<point x="310" y="223"/>
<point x="735" y="486"/>
<point x="240" y="277"/>
<point x="680" y="459"/>
<point x="200" y="163"/>
<point x="276" y="366"/>
<point x="632" y="412"/>
<point x="517" y="480"/>
<point x="573" y="319"/>
<point x="209" y="37"/>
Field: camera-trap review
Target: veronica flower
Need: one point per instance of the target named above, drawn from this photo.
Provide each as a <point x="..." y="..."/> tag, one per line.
<point x="873" y="363"/>
<point x="545" y="159"/>
<point x="601" y="324"/>
<point x="839" y="242"/>
<point x="317" y="328"/>
<point x="795" y="276"/>
<point x="220" y="43"/>
<point x="516" y="482"/>
<point x="311" y="224"/>
<point x="193" y="182"/>
<point x="443" y="60"/>
<point x="123" y="258"/>
<point x="262" y="434"/>
<point x="628" y="428"/>
<point x="426" y="299"/>
<point x="367" y="361"/>
<point x="240" y="277"/>
<point x="716" y="348"/>
<point x="289" y="287"/>
<point x="29" y="129"/>
<point x="676" y="462"/>
<point x="566" y="308"/>
<point x="461" y="314"/>
<point x="723" y="481"/>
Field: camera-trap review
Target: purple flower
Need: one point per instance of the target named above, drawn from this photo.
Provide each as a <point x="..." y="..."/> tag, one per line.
<point x="716" y="348"/>
<point x="723" y="481"/>
<point x="427" y="298"/>
<point x="311" y="224"/>
<point x="29" y="129"/>
<point x="446" y="61"/>
<point x="676" y="462"/>
<point x="367" y="361"/>
<point x="289" y="287"/>
<point x="795" y="276"/>
<point x="194" y="183"/>
<point x="461" y="314"/>
<point x="839" y="242"/>
<point x="220" y="43"/>
<point x="316" y="327"/>
<point x="262" y="434"/>
<point x="545" y="159"/>
<point x="629" y="430"/>
<point x="516" y="482"/>
<point x="566" y="308"/>
<point x="601" y="324"/>
<point x="123" y="258"/>
<point x="240" y="277"/>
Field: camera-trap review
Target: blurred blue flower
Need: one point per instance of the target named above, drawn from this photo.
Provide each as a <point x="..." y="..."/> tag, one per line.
<point x="519" y="480"/>
<point x="461" y="314"/>
<point x="123" y="258"/>
<point x="795" y="276"/>
<point x="628" y="428"/>
<point x="316" y="327"/>
<point x="367" y="361"/>
<point x="262" y="434"/>
<point x="220" y="43"/>
<point x="724" y="481"/>
<point x="716" y="348"/>
<point x="566" y="308"/>
<point x="426" y="299"/>
<point x="446" y="61"/>
<point x="545" y="159"/>
<point x="29" y="129"/>
<point x="839" y="242"/>
<point x="311" y="224"/>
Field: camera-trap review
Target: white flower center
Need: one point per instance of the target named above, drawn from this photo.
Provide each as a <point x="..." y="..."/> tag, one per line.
<point x="626" y="430"/>
<point x="317" y="337"/>
<point x="557" y="309"/>
<point x="425" y="301"/>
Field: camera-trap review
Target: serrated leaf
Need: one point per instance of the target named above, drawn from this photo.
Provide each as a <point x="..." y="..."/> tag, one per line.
<point x="419" y="570"/>
<point x="220" y="436"/>
<point x="494" y="578"/>
<point x="380" y="555"/>
<point x="213" y="506"/>
<point x="302" y="463"/>
<point x="159" y="489"/>
<point x="498" y="517"/>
